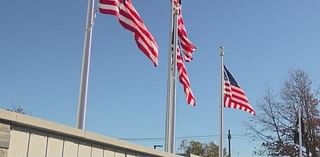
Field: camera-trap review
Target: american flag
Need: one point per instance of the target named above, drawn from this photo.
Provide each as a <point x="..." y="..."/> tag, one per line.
<point x="131" y="20"/>
<point x="234" y="96"/>
<point x="184" y="54"/>
<point x="184" y="41"/>
<point x="184" y="79"/>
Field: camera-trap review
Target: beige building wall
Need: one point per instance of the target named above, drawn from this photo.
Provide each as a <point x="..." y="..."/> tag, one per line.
<point x="4" y="139"/>
<point x="24" y="136"/>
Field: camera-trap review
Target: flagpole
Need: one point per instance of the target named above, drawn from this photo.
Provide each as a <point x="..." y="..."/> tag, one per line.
<point x="85" y="67"/>
<point x="221" y="102"/>
<point x="300" y="134"/>
<point x="171" y="89"/>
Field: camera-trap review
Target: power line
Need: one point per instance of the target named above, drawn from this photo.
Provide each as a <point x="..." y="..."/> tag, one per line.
<point x="213" y="136"/>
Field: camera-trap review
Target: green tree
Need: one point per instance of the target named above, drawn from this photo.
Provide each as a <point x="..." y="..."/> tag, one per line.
<point x="275" y="125"/>
<point x="202" y="149"/>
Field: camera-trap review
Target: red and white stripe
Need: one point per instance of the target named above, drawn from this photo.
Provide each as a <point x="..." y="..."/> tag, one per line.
<point x="184" y="54"/>
<point x="187" y="46"/>
<point x="184" y="80"/>
<point x="235" y="97"/>
<point x="131" y="20"/>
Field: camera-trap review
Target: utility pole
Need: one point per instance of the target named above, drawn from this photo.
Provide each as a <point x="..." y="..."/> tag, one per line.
<point x="229" y="142"/>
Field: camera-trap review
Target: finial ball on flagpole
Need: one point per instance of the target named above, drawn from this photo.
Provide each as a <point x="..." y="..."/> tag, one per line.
<point x="221" y="48"/>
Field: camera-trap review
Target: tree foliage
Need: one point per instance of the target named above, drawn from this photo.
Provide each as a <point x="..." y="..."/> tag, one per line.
<point x="202" y="149"/>
<point x="276" y="123"/>
<point x="18" y="109"/>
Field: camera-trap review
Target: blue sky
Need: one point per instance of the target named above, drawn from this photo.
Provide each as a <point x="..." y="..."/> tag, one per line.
<point x="41" y="53"/>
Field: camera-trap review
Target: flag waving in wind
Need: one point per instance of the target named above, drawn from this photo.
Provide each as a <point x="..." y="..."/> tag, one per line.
<point x="184" y="79"/>
<point x="234" y="96"/>
<point x="184" y="41"/>
<point x="184" y="54"/>
<point x="131" y="20"/>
